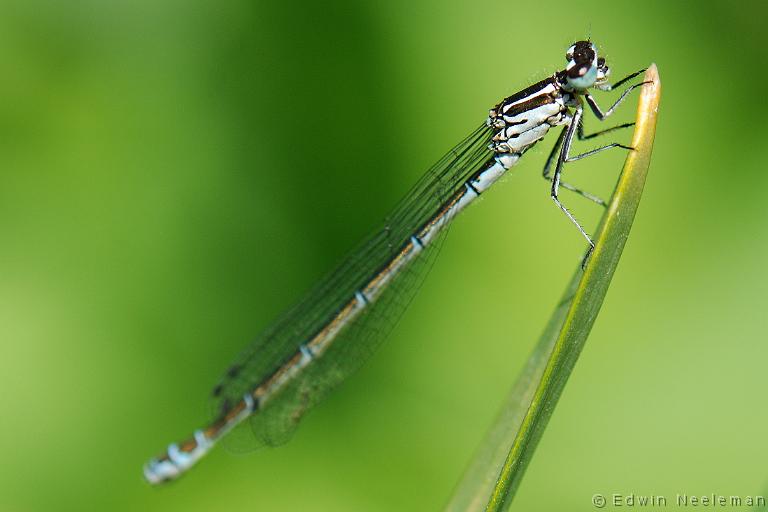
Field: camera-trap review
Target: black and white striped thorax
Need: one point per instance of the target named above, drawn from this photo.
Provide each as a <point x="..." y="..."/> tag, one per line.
<point x="523" y="119"/>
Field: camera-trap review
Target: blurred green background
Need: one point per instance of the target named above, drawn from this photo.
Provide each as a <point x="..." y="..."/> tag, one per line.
<point x="175" y="174"/>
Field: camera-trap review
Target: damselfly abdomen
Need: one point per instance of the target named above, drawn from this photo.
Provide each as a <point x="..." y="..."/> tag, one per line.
<point x="328" y="334"/>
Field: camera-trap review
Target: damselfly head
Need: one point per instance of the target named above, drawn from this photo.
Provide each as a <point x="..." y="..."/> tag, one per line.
<point x="583" y="68"/>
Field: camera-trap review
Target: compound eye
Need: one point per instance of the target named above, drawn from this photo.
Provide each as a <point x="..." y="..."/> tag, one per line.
<point x="602" y="70"/>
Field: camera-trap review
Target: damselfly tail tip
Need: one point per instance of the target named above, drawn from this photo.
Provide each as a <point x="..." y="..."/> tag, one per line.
<point x="172" y="464"/>
<point x="159" y="470"/>
<point x="177" y="459"/>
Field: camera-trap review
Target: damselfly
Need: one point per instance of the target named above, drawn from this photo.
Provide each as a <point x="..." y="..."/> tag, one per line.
<point x="328" y="334"/>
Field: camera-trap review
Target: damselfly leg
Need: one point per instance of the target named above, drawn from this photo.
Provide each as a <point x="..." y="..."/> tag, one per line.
<point x="562" y="149"/>
<point x="609" y="87"/>
<point x="581" y="136"/>
<point x="546" y="172"/>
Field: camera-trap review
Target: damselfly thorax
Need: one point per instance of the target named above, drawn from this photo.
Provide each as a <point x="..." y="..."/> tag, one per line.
<point x="327" y="335"/>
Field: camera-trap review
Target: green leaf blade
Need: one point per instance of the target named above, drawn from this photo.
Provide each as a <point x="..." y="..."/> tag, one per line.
<point x="498" y="467"/>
